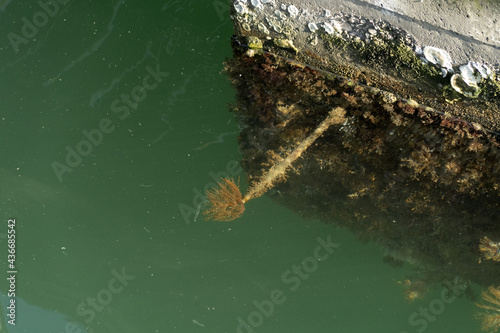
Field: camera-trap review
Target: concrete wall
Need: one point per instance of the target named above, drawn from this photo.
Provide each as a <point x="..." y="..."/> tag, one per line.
<point x="467" y="29"/>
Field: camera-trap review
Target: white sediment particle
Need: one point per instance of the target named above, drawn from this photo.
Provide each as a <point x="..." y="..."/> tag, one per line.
<point x="266" y="1"/>
<point x="293" y="11"/>
<point x="327" y="13"/>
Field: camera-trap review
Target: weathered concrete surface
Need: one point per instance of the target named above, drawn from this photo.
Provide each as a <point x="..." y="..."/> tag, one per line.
<point x="467" y="29"/>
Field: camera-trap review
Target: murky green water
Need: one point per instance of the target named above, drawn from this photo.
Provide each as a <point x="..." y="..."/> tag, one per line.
<point x="113" y="116"/>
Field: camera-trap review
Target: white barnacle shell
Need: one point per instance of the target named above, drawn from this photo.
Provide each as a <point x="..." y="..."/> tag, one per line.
<point x="339" y="26"/>
<point x="262" y="28"/>
<point x="483" y="70"/>
<point x="240" y="8"/>
<point x="328" y="28"/>
<point x="280" y="15"/>
<point x="458" y="83"/>
<point x="312" y="26"/>
<point x="469" y="75"/>
<point x="257" y="4"/>
<point x="276" y="27"/>
<point x="293" y="11"/>
<point x="438" y="57"/>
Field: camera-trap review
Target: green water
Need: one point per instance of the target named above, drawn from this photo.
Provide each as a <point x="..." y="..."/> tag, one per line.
<point x="104" y="190"/>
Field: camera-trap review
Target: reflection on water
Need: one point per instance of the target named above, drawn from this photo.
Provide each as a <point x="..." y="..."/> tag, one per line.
<point x="51" y="321"/>
<point x="4" y="4"/>
<point x="108" y="249"/>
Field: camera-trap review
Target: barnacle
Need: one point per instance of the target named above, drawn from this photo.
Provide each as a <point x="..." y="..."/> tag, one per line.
<point x="438" y="57"/>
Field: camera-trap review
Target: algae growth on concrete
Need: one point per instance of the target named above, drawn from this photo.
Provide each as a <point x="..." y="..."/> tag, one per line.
<point x="415" y="163"/>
